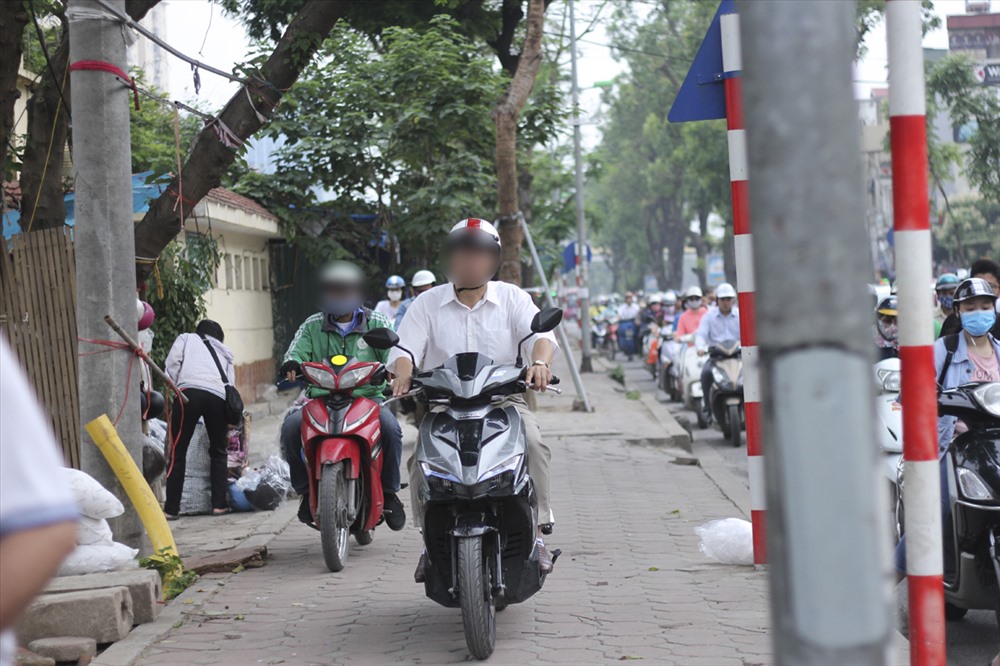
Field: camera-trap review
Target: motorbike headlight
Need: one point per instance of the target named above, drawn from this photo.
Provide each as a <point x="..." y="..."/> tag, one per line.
<point x="319" y="375"/>
<point x="719" y="376"/>
<point x="972" y="486"/>
<point x="352" y="378"/>
<point x="988" y="397"/>
<point x="890" y="380"/>
<point x="512" y="464"/>
<point x="434" y="472"/>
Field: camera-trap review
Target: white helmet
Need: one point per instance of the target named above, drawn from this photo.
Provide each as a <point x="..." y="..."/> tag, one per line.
<point x="474" y="232"/>
<point x="725" y="290"/>
<point x="693" y="292"/>
<point x="669" y="297"/>
<point x="422" y="278"/>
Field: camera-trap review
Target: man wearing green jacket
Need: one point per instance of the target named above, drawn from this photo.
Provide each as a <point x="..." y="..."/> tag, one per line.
<point x="338" y="329"/>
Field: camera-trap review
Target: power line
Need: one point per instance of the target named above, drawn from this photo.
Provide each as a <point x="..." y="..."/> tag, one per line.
<point x="627" y="49"/>
<point x="167" y="47"/>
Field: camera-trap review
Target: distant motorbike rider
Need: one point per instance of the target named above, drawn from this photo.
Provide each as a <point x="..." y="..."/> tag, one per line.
<point x="629" y="310"/>
<point x="886" y="329"/>
<point x="473" y="314"/>
<point x="719" y="324"/>
<point x="944" y="291"/>
<point x="984" y="269"/>
<point x="694" y="309"/>
<point x="653" y="314"/>
<point x="669" y="306"/>
<point x="422" y="281"/>
<point x="338" y="329"/>
<point x="970" y="356"/>
<point x="389" y="308"/>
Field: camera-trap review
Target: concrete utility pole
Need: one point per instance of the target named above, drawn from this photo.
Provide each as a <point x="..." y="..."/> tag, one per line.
<point x="105" y="247"/>
<point x="582" y="279"/>
<point x="827" y="532"/>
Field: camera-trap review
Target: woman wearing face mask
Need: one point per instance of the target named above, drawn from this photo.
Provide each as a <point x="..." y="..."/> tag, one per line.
<point x="886" y="328"/>
<point x="394" y="291"/>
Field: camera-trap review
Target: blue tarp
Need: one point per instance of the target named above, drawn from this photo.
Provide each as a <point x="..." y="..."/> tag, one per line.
<point x="142" y="193"/>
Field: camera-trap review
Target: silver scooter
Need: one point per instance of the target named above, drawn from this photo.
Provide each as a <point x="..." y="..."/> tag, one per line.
<point x="476" y="497"/>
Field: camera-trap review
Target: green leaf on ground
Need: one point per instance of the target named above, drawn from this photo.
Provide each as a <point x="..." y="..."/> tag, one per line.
<point x="633" y="395"/>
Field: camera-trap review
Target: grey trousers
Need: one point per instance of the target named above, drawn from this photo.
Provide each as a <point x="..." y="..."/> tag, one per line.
<point x="539" y="456"/>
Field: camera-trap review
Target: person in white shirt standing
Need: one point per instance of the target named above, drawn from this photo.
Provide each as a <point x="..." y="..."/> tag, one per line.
<point x="394" y="294"/>
<point x="473" y="314"/>
<point x="37" y="511"/>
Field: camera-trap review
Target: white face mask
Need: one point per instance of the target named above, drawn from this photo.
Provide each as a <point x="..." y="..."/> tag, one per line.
<point x="395" y="294"/>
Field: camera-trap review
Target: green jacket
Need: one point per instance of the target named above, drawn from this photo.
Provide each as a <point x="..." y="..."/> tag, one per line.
<point x="318" y="338"/>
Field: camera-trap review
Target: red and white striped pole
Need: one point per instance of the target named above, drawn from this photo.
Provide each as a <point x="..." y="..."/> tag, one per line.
<point x="908" y="143"/>
<point x="732" y="66"/>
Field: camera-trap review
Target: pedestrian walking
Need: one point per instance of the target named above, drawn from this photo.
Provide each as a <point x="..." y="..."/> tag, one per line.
<point x="197" y="363"/>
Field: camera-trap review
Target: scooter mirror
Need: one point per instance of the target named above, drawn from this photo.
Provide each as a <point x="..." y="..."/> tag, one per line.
<point x="546" y="320"/>
<point x="381" y="338"/>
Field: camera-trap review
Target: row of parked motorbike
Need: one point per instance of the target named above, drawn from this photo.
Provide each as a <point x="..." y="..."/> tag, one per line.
<point x="970" y="462"/>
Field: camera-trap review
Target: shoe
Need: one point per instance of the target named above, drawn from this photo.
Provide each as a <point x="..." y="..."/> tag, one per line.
<point x="418" y="575"/>
<point x="305" y="513"/>
<point x="545" y="529"/>
<point x="544" y="559"/>
<point x="393" y="512"/>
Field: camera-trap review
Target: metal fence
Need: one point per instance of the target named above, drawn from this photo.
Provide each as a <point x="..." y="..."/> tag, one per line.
<point x="38" y="318"/>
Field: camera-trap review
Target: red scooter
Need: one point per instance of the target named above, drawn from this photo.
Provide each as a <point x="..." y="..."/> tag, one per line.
<point x="342" y="447"/>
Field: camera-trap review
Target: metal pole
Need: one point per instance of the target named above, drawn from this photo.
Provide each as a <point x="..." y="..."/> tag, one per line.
<point x="583" y="282"/>
<point x="105" y="248"/>
<point x="581" y="392"/>
<point x="827" y="529"/>
<point x="732" y="66"/>
<point x="908" y="144"/>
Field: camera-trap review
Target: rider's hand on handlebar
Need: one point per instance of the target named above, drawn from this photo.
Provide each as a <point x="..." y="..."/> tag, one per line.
<point x="702" y="352"/>
<point x="538" y="377"/>
<point x="403" y="378"/>
<point x="290" y="370"/>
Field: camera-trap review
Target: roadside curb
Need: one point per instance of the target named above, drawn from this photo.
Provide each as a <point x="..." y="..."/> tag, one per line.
<point x="127" y="651"/>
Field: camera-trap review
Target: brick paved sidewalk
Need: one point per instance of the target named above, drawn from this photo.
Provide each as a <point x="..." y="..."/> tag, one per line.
<point x="631" y="583"/>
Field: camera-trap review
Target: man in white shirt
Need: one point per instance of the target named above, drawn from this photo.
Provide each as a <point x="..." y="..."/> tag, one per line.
<point x="629" y="311"/>
<point x="720" y="324"/>
<point x="37" y="511"/>
<point x="473" y="314"/>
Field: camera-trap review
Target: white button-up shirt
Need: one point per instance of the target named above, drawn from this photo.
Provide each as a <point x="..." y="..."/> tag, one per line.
<point x="437" y="325"/>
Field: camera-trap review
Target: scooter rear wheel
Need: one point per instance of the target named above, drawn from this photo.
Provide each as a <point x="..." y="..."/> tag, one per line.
<point x="475" y="595"/>
<point x="333" y="526"/>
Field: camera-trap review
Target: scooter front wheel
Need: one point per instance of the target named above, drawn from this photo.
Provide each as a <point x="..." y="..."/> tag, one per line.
<point x="334" y="529"/>
<point x="475" y="595"/>
<point x="734" y="425"/>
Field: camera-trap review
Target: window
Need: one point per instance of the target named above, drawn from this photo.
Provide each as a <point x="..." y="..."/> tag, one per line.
<point x="238" y="270"/>
<point x="230" y="283"/>
<point x="255" y="273"/>
<point x="265" y="277"/>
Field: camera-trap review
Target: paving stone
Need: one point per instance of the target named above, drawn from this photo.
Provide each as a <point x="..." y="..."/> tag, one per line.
<point x="66" y="648"/>
<point x="104" y="615"/>
<point x="144" y="586"/>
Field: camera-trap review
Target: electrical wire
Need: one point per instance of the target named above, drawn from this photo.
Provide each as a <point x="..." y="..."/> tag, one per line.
<point x="45" y="53"/>
<point x="167" y="47"/>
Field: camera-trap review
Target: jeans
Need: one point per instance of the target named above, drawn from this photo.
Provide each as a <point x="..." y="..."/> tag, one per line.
<point x="211" y="408"/>
<point x="392" y="450"/>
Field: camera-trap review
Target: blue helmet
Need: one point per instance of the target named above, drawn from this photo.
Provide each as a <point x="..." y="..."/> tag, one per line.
<point x="395" y="282"/>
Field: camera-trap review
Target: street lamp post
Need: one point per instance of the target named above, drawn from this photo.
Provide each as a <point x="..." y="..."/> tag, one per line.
<point x="582" y="278"/>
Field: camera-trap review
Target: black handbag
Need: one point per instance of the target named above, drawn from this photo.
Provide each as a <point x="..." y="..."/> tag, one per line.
<point x="234" y="402"/>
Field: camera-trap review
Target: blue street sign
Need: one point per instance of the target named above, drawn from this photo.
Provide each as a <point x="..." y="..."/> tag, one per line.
<point x="702" y="96"/>
<point x="569" y="257"/>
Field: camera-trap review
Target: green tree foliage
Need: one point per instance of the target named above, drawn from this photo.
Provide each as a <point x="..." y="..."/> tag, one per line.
<point x="970" y="230"/>
<point x="656" y="176"/>
<point x="402" y="131"/>
<point x="154" y="143"/>
<point x="176" y="289"/>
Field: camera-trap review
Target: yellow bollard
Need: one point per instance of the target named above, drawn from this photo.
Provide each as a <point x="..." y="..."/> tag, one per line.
<point x="103" y="432"/>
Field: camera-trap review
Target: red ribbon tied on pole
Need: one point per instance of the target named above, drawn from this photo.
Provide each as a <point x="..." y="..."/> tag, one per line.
<point x="102" y="66"/>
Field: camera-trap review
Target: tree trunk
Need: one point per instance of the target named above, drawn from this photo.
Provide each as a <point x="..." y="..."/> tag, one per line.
<point x="505" y="116"/>
<point x="525" y="196"/>
<point x="729" y="253"/>
<point x="209" y="158"/>
<point x="676" y="238"/>
<point x="48" y="126"/>
<point x="13" y="19"/>
<point x="702" y="248"/>
<point x="42" y="190"/>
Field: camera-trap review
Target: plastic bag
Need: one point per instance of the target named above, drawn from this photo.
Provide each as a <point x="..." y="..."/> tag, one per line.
<point x="729" y="541"/>
<point x="267" y="487"/>
<point x="91" y="531"/>
<point x="158" y="430"/>
<point x="154" y="463"/>
<point x="97" y="558"/>
<point x="237" y="449"/>
<point x="196" y="497"/>
<point x="91" y="497"/>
